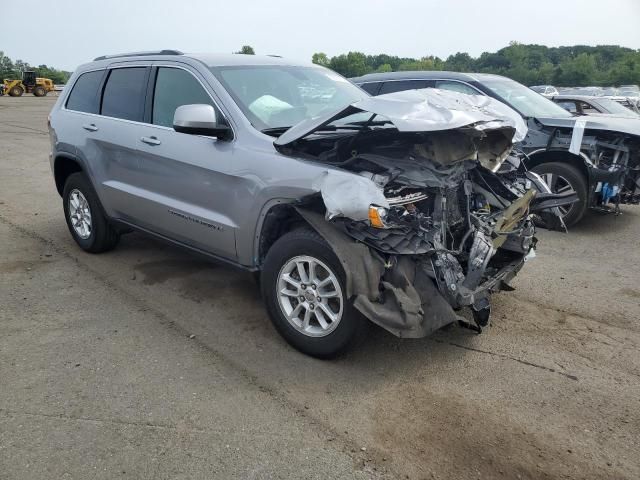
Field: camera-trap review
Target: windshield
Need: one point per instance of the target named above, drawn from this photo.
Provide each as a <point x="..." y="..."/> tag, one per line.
<point x="614" y="107"/>
<point x="279" y="96"/>
<point x="527" y="102"/>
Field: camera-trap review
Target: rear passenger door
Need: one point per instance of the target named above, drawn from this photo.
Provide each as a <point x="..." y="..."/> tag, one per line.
<point x="108" y="146"/>
<point x="182" y="191"/>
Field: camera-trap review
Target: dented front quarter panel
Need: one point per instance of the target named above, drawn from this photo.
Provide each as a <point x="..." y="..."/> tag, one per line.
<point x="406" y="276"/>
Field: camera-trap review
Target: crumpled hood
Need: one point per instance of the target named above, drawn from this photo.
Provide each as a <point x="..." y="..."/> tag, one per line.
<point x="630" y="126"/>
<point x="425" y="110"/>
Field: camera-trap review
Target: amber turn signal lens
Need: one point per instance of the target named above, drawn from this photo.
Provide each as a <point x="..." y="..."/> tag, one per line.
<point x="377" y="216"/>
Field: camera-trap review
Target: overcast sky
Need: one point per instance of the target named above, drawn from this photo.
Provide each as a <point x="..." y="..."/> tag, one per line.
<point x="66" y="33"/>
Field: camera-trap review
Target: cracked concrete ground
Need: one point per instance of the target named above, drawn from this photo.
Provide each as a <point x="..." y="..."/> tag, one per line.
<point x="100" y="378"/>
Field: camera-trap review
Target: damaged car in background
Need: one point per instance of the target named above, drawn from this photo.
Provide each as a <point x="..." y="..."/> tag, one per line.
<point x="402" y="210"/>
<point x="597" y="158"/>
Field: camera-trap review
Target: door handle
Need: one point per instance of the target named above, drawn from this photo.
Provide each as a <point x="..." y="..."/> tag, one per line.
<point x="90" y="126"/>
<point x="150" y="140"/>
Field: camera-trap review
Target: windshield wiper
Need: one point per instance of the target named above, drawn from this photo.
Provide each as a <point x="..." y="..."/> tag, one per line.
<point x="367" y="123"/>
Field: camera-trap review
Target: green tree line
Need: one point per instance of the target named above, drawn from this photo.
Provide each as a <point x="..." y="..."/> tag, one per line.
<point x="579" y="65"/>
<point x="12" y="70"/>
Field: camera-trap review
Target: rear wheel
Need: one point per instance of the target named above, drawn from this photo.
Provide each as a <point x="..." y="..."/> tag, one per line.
<point x="565" y="178"/>
<point x="85" y="217"/>
<point x="303" y="285"/>
<point x="16" y="91"/>
<point x="39" y="91"/>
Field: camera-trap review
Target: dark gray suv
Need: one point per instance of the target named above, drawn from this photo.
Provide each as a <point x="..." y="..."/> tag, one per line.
<point x="400" y="210"/>
<point x="598" y="158"/>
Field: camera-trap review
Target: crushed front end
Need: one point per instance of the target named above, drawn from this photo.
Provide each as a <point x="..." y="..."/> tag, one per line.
<point x="437" y="227"/>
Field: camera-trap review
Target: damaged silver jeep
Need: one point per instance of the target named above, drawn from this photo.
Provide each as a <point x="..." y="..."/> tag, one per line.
<point x="423" y="217"/>
<point x="400" y="209"/>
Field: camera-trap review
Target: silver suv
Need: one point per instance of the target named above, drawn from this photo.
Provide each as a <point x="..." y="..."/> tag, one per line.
<point x="398" y="209"/>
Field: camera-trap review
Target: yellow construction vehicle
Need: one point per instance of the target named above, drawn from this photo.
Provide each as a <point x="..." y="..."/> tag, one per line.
<point x="29" y="84"/>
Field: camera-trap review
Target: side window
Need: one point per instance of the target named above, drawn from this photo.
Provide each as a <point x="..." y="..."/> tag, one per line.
<point x="371" y="88"/>
<point x="124" y="93"/>
<point x="456" y="87"/>
<point x="400" y="85"/>
<point x="587" y="108"/>
<point x="175" y="87"/>
<point x="568" y="106"/>
<point x="84" y="96"/>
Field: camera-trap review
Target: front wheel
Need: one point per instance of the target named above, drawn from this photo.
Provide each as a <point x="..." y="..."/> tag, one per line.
<point x="16" y="91"/>
<point x="565" y="178"/>
<point x="303" y="285"/>
<point x="39" y="91"/>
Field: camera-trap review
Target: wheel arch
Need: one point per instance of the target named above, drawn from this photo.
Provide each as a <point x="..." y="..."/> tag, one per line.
<point x="538" y="157"/>
<point x="63" y="167"/>
<point x="277" y="219"/>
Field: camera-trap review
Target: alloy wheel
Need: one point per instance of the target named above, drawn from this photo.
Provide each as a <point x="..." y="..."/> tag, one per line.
<point x="80" y="214"/>
<point x="310" y="296"/>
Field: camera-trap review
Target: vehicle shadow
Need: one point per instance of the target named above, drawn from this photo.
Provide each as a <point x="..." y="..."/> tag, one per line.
<point x="234" y="297"/>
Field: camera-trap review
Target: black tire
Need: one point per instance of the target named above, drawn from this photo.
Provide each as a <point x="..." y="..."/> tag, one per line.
<point x="103" y="236"/>
<point x="351" y="326"/>
<point x="39" y="91"/>
<point x="16" y="91"/>
<point x="578" y="183"/>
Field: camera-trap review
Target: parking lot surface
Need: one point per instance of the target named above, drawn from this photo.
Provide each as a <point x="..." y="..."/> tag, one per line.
<point x="150" y="362"/>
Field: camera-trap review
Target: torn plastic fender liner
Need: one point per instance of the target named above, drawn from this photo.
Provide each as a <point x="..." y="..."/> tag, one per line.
<point x="410" y="306"/>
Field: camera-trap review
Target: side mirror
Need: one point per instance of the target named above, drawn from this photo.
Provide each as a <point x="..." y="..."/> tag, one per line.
<point x="199" y="119"/>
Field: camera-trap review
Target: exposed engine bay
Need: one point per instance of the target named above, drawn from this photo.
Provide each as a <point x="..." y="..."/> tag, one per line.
<point x="439" y="222"/>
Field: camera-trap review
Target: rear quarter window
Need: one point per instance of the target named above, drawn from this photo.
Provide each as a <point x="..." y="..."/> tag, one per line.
<point x="371" y="88"/>
<point x="124" y="93"/>
<point x="84" y="95"/>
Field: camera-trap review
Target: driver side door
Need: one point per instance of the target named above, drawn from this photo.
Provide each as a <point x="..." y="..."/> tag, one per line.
<point x="184" y="187"/>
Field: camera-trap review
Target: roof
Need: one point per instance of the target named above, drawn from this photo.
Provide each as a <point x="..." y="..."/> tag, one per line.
<point x="209" y="59"/>
<point x="229" y="59"/>
<point x="422" y="74"/>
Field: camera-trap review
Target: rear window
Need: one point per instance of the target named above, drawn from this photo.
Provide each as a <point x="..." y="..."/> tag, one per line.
<point x="84" y="96"/>
<point x="124" y="93"/>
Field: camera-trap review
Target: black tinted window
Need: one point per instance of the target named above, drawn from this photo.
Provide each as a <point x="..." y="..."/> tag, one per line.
<point x="400" y="85"/>
<point x="371" y="88"/>
<point x="84" y="96"/>
<point x="124" y="93"/>
<point x="175" y="87"/>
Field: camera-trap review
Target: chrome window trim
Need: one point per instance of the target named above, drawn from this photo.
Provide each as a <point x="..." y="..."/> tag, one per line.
<point x="134" y="122"/>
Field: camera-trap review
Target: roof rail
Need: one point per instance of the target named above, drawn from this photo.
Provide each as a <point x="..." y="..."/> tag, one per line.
<point x="139" y="54"/>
